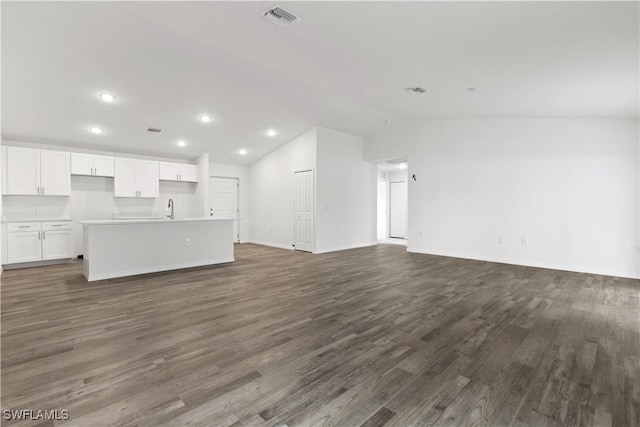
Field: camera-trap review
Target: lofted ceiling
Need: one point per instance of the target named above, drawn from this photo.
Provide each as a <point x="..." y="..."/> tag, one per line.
<point x="343" y="65"/>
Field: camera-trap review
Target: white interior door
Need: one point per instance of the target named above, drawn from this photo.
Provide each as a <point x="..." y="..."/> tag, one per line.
<point x="303" y="215"/>
<point x="398" y="209"/>
<point x="383" y="213"/>
<point x="223" y="199"/>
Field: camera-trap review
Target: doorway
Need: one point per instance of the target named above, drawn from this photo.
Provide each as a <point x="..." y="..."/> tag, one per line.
<point x="223" y="200"/>
<point x="303" y="211"/>
<point x="392" y="202"/>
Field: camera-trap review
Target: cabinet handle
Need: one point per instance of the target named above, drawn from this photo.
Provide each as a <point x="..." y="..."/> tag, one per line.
<point x="92" y="172"/>
<point x="39" y="235"/>
<point x="55" y="225"/>
<point x="44" y="235"/>
<point x="43" y="191"/>
<point x="179" y="177"/>
<point x="24" y="226"/>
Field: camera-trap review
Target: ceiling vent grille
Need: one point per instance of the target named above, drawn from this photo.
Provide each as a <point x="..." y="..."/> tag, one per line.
<point x="417" y="90"/>
<point x="154" y="130"/>
<point x="279" y="16"/>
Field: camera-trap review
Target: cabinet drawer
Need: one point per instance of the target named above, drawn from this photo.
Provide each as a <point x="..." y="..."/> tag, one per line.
<point x="57" y="225"/>
<point x="23" y="226"/>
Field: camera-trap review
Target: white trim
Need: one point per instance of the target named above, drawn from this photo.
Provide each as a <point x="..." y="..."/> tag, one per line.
<point x="561" y="267"/>
<point x="155" y="269"/>
<point x="344" y="248"/>
<point x="273" y="245"/>
<point x="43" y="263"/>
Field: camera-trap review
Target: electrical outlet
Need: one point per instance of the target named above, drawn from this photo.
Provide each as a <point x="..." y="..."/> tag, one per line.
<point x="421" y="234"/>
<point x="501" y="240"/>
<point x="187" y="242"/>
<point x="525" y="241"/>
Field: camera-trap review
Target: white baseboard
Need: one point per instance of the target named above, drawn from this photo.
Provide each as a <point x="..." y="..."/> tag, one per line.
<point x="19" y="265"/>
<point x="551" y="266"/>
<point x="155" y="269"/>
<point x="273" y="245"/>
<point x="344" y="248"/>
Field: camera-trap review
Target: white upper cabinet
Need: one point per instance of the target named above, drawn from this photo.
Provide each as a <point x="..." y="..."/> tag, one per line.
<point x="178" y="172"/>
<point x="104" y="166"/>
<point x="36" y="172"/>
<point x="147" y="177"/>
<point x="93" y="165"/>
<point x="135" y="178"/>
<point x="55" y="173"/>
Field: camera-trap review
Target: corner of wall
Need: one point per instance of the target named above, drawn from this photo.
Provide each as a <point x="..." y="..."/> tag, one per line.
<point x="202" y="189"/>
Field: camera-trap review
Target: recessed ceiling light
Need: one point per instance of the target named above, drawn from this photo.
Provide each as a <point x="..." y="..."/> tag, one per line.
<point x="242" y="152"/>
<point x="472" y="89"/>
<point x="205" y="118"/>
<point x="96" y="130"/>
<point x="271" y="132"/>
<point x="107" y="97"/>
<point x="181" y="143"/>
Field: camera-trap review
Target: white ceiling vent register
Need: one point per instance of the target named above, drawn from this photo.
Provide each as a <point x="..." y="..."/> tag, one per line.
<point x="279" y="16"/>
<point x="417" y="90"/>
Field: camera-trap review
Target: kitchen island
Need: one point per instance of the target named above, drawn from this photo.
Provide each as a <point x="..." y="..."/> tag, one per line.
<point x="118" y="248"/>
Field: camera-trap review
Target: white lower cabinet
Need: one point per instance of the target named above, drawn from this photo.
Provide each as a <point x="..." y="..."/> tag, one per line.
<point x="38" y="241"/>
<point x="24" y="246"/>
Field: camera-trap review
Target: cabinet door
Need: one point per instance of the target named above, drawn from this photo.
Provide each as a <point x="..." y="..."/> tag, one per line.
<point x="124" y="183"/>
<point x="168" y="171"/>
<point x="24" y="247"/>
<point x="56" y="244"/>
<point x="23" y="171"/>
<point x="189" y="173"/>
<point x="81" y="164"/>
<point x="103" y="166"/>
<point x="55" y="173"/>
<point x="147" y="178"/>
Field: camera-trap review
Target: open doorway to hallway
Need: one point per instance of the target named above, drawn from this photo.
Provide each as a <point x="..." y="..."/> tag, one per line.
<point x="392" y="202"/>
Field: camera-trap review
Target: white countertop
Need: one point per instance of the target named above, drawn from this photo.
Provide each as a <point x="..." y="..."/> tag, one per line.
<point x="151" y="221"/>
<point x="35" y="218"/>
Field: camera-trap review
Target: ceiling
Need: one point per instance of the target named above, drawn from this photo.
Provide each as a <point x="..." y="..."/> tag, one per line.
<point x="344" y="65"/>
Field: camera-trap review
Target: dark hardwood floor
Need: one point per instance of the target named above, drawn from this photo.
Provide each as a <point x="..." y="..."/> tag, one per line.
<point x="366" y="337"/>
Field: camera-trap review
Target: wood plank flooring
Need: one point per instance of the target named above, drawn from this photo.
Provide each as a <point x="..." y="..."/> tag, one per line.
<point x="366" y="337"/>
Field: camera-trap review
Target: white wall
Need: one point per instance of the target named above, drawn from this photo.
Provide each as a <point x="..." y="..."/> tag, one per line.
<point x="92" y="198"/>
<point x="345" y="193"/>
<point x="271" y="195"/>
<point x="202" y="189"/>
<point x="242" y="173"/>
<point x="569" y="186"/>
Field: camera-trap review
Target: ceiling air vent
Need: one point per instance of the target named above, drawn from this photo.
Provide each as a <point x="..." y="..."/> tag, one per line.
<point x="280" y="16"/>
<point x="416" y="90"/>
<point x="154" y="130"/>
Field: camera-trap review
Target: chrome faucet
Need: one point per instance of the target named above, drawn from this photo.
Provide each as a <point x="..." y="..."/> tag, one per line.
<point x="171" y="206"/>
